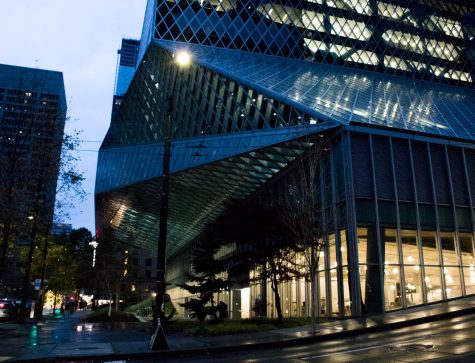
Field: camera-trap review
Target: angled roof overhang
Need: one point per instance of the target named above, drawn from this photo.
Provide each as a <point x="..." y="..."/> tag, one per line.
<point x="205" y="172"/>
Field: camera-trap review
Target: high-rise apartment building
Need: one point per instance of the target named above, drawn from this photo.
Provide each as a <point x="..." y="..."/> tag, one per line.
<point x="126" y="65"/>
<point x="59" y="229"/>
<point x="389" y="85"/>
<point x="32" y="117"/>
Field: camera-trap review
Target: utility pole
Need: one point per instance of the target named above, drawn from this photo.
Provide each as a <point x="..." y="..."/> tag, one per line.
<point x="158" y="339"/>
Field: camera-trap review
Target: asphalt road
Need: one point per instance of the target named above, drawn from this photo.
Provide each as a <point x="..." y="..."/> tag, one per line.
<point x="450" y="340"/>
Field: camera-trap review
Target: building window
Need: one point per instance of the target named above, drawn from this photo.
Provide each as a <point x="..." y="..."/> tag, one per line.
<point x="432" y="269"/>
<point x="412" y="268"/>
<point x="392" y="271"/>
<point x="451" y="265"/>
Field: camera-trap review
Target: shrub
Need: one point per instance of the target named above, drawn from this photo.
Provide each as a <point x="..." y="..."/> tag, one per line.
<point x="144" y="308"/>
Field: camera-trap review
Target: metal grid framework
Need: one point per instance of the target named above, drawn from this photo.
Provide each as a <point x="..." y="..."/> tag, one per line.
<point x="217" y="122"/>
<point x="126" y="165"/>
<point x="426" y="39"/>
<point x="205" y="103"/>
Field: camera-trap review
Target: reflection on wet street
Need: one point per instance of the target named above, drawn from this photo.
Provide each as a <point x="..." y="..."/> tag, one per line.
<point x="63" y="333"/>
<point x="84" y="327"/>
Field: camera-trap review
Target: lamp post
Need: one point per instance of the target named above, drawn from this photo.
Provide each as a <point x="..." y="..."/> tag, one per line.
<point x="158" y="339"/>
<point x="94" y="244"/>
<point x="40" y="302"/>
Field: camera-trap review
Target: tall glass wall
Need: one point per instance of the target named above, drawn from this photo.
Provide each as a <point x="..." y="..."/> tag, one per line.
<point x="413" y="280"/>
<point x="416" y="243"/>
<point x="332" y="291"/>
<point x="414" y="246"/>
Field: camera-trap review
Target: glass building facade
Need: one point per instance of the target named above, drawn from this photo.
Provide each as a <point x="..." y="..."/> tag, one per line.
<point x="389" y="83"/>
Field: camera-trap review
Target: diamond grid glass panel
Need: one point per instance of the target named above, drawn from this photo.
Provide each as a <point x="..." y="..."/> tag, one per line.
<point x="432" y="33"/>
<point x="205" y="103"/>
<point x="328" y="92"/>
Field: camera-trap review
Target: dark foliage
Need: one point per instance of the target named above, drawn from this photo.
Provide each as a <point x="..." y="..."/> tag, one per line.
<point x="263" y="242"/>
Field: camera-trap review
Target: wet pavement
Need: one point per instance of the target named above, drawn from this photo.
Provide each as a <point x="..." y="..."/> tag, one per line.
<point x="65" y="335"/>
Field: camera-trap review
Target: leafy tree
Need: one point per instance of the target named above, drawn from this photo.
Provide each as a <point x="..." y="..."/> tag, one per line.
<point x="61" y="267"/>
<point x="206" y="286"/>
<point x="69" y="187"/>
<point x="113" y="266"/>
<point x="208" y="278"/>
<point x="67" y="265"/>
<point x="78" y="241"/>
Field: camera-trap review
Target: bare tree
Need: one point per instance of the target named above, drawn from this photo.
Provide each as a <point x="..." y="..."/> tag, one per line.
<point x="304" y="209"/>
<point x="113" y="266"/>
<point x="263" y="244"/>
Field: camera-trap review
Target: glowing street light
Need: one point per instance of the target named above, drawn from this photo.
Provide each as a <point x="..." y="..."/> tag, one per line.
<point x="183" y="58"/>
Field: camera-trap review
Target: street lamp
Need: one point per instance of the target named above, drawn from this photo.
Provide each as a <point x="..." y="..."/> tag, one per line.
<point x="158" y="340"/>
<point x="183" y="58"/>
<point x="94" y="244"/>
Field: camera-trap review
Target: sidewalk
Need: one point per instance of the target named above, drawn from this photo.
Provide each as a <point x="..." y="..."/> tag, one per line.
<point x="95" y="341"/>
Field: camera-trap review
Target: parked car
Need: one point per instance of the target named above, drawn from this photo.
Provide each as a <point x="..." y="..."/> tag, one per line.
<point x="9" y="307"/>
<point x="5" y="309"/>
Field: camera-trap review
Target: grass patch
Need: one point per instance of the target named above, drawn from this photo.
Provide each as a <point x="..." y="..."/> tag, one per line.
<point x="229" y="327"/>
<point x="101" y="316"/>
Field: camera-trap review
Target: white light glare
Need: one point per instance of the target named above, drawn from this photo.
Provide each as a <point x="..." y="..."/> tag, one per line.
<point x="183" y="58"/>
